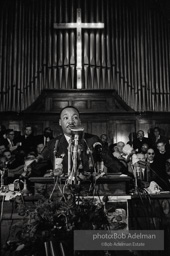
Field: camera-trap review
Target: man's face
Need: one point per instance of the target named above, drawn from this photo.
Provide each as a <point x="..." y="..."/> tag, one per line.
<point x="156" y="132"/>
<point x="144" y="148"/>
<point x="120" y="146"/>
<point x="2" y="161"/>
<point x="7" y="155"/>
<point x="2" y="149"/>
<point x="28" y="130"/>
<point x="161" y="147"/>
<point x="141" y="157"/>
<point x="40" y="148"/>
<point x="104" y="138"/>
<point x="150" y="154"/>
<point x="11" y="135"/>
<point x="48" y="134"/>
<point x="69" y="119"/>
<point x="140" y="135"/>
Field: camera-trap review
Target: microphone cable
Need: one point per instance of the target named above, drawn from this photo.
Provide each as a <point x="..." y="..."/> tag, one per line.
<point x="151" y="208"/>
<point x="94" y="168"/>
<point x="146" y="213"/>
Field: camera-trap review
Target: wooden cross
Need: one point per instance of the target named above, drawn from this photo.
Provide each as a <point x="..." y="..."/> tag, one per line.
<point x="78" y="26"/>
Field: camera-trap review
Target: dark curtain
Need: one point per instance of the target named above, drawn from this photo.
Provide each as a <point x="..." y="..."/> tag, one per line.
<point x="130" y="55"/>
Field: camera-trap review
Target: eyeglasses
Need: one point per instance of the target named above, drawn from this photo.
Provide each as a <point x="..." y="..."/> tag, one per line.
<point x="11" y="134"/>
<point x="151" y="153"/>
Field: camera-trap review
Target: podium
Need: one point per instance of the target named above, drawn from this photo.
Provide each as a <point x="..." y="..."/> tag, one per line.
<point x="111" y="184"/>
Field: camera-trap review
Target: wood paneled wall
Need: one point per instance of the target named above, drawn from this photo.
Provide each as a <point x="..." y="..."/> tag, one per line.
<point x="118" y="128"/>
<point x="100" y="111"/>
<point x="131" y="54"/>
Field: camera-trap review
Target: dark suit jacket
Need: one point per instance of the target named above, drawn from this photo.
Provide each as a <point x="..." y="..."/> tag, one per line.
<point x="111" y="162"/>
<point x="40" y="139"/>
<point x="137" y="144"/>
<point x="153" y="141"/>
<point x="28" y="144"/>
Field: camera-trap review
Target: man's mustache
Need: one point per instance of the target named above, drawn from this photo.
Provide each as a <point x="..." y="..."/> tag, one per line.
<point x="70" y="126"/>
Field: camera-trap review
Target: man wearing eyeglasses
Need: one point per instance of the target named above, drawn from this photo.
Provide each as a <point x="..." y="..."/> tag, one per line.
<point x="9" y="141"/>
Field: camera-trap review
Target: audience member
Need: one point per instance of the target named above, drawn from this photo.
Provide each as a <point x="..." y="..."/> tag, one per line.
<point x="45" y="137"/>
<point x="2" y="131"/>
<point x="141" y="156"/>
<point x="134" y="162"/>
<point x="27" y="140"/>
<point x="13" y="161"/>
<point x="162" y="154"/>
<point x="7" y="154"/>
<point x="132" y="137"/>
<point x="2" y="148"/>
<point x="40" y="148"/>
<point x="104" y="139"/>
<point x="113" y="148"/>
<point x="139" y="141"/>
<point x="155" y="135"/>
<point x="119" y="150"/>
<point x="120" y="146"/>
<point x="10" y="142"/>
<point x="144" y="148"/>
<point x="2" y="161"/>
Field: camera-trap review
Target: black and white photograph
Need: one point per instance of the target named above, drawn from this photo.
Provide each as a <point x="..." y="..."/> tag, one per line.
<point x="84" y="127"/>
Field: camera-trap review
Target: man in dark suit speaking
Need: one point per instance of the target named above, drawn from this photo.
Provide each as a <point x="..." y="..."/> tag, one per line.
<point x="89" y="145"/>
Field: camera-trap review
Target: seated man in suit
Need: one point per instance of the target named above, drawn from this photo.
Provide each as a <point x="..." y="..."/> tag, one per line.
<point x="45" y="137"/>
<point x="157" y="136"/>
<point x="2" y="148"/>
<point x="70" y="119"/>
<point x="10" y="142"/>
<point x="27" y="141"/>
<point x="140" y="140"/>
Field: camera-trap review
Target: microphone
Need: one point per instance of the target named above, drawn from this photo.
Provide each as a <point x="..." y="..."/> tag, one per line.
<point x="98" y="157"/>
<point x="142" y="164"/>
<point x="98" y="147"/>
<point x="77" y="132"/>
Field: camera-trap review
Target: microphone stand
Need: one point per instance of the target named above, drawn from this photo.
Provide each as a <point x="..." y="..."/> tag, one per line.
<point x="136" y="180"/>
<point x="2" y="180"/>
<point x="69" y="157"/>
<point x="73" y="174"/>
<point x="4" y="177"/>
<point x="24" y="176"/>
<point x="54" y="156"/>
<point x="25" y="190"/>
<point x="75" y="153"/>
